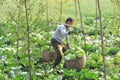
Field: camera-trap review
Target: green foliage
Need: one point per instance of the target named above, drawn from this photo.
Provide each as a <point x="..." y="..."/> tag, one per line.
<point x="89" y="21"/>
<point x="113" y="51"/>
<point x="88" y="75"/>
<point x="40" y="40"/>
<point x="74" y="53"/>
<point x="14" y="28"/>
<point x="116" y="60"/>
<point x="2" y="76"/>
<point x="92" y="48"/>
<point x="116" y="2"/>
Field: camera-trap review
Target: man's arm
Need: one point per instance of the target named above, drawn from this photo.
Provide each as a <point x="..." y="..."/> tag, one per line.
<point x="64" y="32"/>
<point x="67" y="41"/>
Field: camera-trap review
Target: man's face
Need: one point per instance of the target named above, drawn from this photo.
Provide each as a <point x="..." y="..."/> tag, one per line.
<point x="70" y="23"/>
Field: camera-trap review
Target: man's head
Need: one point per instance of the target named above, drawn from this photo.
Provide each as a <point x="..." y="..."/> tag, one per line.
<point x="69" y="21"/>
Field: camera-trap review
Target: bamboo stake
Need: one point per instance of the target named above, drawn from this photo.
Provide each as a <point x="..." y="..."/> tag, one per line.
<point x="28" y="30"/>
<point x="10" y="10"/>
<point x="47" y="12"/>
<point x="60" y="12"/>
<point x="75" y="9"/>
<point x="96" y="5"/>
<point x="17" y="34"/>
<point x="79" y="6"/>
<point x="102" y="41"/>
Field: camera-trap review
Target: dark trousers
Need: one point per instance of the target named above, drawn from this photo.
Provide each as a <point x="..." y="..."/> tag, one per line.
<point x="59" y="48"/>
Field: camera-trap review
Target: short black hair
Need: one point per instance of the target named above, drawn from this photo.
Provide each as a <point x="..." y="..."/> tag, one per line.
<point x="68" y="19"/>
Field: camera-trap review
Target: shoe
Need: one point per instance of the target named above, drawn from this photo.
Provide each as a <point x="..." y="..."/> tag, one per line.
<point x="60" y="72"/>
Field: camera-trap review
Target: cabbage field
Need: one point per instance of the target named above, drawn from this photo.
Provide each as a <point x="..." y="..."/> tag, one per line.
<point x="26" y="28"/>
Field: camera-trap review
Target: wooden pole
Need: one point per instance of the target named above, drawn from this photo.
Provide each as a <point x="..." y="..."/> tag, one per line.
<point x="102" y="41"/>
<point x="28" y="36"/>
<point x="47" y="12"/>
<point x="82" y="26"/>
<point x="75" y="9"/>
<point x="60" y="12"/>
<point x="96" y="10"/>
<point x="17" y="30"/>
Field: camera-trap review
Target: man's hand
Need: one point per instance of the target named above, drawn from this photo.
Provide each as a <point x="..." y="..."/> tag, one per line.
<point x="73" y="31"/>
<point x="68" y="46"/>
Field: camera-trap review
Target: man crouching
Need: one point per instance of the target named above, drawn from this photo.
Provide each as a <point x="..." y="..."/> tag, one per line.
<point x="59" y="35"/>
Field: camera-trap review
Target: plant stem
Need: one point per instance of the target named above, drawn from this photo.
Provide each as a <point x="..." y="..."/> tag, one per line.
<point x="102" y="41"/>
<point x="82" y="26"/>
<point x="96" y="4"/>
<point x="75" y="9"/>
<point x="60" y="12"/>
<point x="17" y="32"/>
<point x="28" y="31"/>
<point x="47" y="12"/>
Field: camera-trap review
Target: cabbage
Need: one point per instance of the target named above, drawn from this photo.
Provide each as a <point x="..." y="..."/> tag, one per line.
<point x="74" y="53"/>
<point x="79" y="53"/>
<point x="70" y="57"/>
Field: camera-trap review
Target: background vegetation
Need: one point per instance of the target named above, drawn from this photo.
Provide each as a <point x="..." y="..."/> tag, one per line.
<point x="14" y="38"/>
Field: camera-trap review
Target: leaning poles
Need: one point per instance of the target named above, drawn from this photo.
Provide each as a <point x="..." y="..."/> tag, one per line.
<point x="82" y="26"/>
<point x="96" y="10"/>
<point x="75" y="9"/>
<point x="28" y="37"/>
<point x="17" y="30"/>
<point x="102" y="41"/>
<point x="60" y="11"/>
<point x="47" y="12"/>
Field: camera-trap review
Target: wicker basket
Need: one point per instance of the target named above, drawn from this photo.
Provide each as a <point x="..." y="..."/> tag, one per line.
<point x="77" y="63"/>
<point x="48" y="56"/>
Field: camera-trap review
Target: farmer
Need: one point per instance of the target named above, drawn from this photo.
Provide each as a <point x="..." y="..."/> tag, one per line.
<point x="59" y="35"/>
